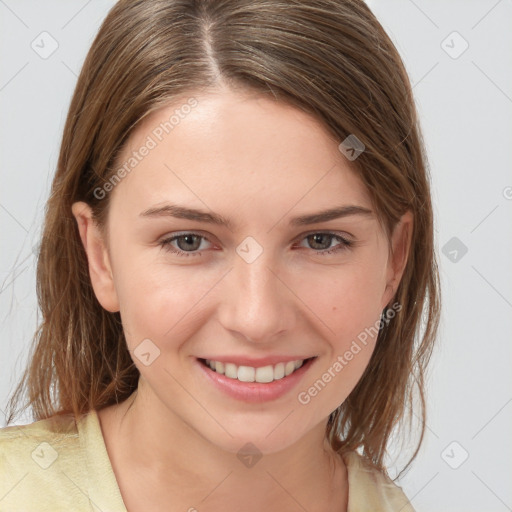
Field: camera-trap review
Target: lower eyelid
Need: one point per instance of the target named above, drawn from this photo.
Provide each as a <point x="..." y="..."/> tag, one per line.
<point x="344" y="243"/>
<point x="335" y="237"/>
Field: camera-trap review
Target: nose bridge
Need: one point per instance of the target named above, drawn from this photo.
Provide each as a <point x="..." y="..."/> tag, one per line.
<point x="257" y="303"/>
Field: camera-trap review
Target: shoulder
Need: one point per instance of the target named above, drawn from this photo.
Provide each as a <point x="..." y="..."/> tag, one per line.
<point x="41" y="464"/>
<point x="38" y="444"/>
<point x="371" y="490"/>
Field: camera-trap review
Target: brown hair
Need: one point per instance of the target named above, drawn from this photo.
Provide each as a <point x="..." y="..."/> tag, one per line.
<point x="330" y="58"/>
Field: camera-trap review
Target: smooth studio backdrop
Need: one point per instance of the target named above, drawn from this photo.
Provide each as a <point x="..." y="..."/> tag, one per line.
<point x="458" y="55"/>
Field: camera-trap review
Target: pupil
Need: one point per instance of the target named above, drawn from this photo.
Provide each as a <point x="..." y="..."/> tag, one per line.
<point x="189" y="240"/>
<point x="317" y="239"/>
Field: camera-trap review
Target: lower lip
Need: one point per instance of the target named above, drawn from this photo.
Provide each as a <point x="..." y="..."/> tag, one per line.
<point x="255" y="392"/>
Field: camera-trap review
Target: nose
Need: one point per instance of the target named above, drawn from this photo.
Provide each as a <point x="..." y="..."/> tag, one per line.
<point x="256" y="303"/>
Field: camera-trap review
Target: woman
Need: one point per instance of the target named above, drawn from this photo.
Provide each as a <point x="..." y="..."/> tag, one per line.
<point x="238" y="250"/>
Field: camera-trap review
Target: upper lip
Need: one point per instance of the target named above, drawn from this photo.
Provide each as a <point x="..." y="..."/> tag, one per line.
<point x="256" y="362"/>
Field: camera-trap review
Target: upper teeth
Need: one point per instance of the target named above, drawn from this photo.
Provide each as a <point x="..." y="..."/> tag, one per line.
<point x="251" y="374"/>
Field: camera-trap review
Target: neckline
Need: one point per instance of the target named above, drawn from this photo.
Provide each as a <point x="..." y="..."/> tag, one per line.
<point x="104" y="490"/>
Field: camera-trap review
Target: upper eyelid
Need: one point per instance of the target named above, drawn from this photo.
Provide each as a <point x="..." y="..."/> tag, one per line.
<point x="342" y="234"/>
<point x="302" y="236"/>
<point x="306" y="233"/>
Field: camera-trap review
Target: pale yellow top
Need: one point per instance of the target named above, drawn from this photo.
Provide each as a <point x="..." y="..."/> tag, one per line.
<point x="58" y="464"/>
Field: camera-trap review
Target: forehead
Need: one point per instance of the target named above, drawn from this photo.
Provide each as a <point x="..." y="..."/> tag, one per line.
<point x="235" y="149"/>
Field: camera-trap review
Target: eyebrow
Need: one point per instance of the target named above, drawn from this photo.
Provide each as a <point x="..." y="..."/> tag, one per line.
<point x="181" y="212"/>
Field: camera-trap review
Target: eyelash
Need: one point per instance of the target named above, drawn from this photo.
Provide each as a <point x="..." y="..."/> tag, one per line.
<point x="344" y="245"/>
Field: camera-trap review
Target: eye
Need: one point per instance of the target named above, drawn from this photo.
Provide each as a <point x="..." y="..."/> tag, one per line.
<point x="191" y="244"/>
<point x="188" y="244"/>
<point x="323" y="240"/>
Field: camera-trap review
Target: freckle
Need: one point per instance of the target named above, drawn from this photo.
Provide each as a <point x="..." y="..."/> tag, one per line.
<point x="334" y="308"/>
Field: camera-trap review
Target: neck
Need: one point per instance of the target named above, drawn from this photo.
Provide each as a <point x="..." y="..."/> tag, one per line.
<point x="174" y="463"/>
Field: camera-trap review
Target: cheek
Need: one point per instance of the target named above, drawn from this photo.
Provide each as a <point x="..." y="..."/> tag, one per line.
<point x="160" y="301"/>
<point x="345" y="298"/>
<point x="350" y="306"/>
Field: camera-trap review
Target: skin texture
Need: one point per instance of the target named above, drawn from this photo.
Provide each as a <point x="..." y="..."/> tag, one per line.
<point x="258" y="163"/>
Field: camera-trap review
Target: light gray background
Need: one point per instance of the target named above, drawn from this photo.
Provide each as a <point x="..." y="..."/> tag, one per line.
<point x="465" y="105"/>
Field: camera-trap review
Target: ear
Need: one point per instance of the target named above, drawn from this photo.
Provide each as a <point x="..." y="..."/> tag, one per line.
<point x="100" y="269"/>
<point x="398" y="255"/>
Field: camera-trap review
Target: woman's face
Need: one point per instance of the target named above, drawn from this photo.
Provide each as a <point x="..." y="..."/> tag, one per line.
<point x="254" y="275"/>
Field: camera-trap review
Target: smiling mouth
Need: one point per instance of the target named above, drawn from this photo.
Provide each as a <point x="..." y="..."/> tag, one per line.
<point x="264" y="374"/>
